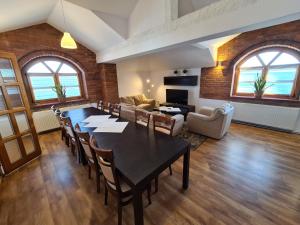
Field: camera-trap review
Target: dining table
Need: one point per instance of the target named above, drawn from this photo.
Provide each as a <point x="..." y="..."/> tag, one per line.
<point x="140" y="153"/>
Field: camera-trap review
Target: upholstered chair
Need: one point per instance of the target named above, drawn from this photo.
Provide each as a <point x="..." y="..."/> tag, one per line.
<point x="113" y="181"/>
<point x="164" y="124"/>
<point x="100" y="104"/>
<point x="115" y="110"/>
<point x="142" y="117"/>
<point x="57" y="114"/>
<point x="89" y="154"/>
<point x="211" y="122"/>
<point x="70" y="135"/>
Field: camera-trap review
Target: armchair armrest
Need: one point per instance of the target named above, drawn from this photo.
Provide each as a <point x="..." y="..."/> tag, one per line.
<point x="150" y="102"/>
<point x="197" y="116"/>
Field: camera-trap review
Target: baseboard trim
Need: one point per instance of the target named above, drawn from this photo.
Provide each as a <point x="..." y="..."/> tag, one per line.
<point x="263" y="126"/>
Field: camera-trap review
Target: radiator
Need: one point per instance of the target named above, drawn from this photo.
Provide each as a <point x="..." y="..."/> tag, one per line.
<point x="45" y="120"/>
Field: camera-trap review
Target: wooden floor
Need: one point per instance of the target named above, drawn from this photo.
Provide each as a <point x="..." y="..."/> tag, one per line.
<point x="252" y="176"/>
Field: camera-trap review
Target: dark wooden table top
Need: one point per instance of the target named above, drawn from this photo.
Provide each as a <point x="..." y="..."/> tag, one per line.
<point x="139" y="153"/>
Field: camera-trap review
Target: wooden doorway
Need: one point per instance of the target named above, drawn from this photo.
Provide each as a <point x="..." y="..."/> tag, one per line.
<point x="18" y="138"/>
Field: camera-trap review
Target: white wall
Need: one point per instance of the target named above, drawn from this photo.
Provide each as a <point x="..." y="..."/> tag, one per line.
<point x="131" y="80"/>
<point x="146" y="15"/>
<point x="158" y="92"/>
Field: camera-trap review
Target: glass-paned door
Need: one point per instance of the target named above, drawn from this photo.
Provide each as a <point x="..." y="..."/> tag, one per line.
<point x="18" y="138"/>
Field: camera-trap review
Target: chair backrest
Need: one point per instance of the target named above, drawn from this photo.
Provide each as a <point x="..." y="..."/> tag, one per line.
<point x="53" y="108"/>
<point x="115" y="109"/>
<point x="106" y="162"/>
<point x="163" y="123"/>
<point x="84" y="139"/>
<point x="100" y="104"/>
<point x="142" y="117"/>
<point x="67" y="124"/>
<point x="106" y="107"/>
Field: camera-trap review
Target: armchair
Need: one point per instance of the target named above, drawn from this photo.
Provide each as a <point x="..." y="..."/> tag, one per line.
<point x="211" y="122"/>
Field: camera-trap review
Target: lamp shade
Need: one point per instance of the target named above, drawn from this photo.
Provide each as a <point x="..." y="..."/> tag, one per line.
<point x="67" y="41"/>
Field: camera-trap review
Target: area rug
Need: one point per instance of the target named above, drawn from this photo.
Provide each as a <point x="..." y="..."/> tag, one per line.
<point x="195" y="139"/>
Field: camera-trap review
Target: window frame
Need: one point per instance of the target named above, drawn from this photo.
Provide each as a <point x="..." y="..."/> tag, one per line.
<point x="56" y="76"/>
<point x="265" y="69"/>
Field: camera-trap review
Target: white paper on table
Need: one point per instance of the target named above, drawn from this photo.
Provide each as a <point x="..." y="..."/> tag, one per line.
<point x="174" y="110"/>
<point x="96" y="118"/>
<point x="101" y="123"/>
<point x="117" y="127"/>
<point x="169" y="109"/>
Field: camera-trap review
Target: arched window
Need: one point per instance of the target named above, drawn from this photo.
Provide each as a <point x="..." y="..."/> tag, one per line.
<point x="45" y="73"/>
<point x="279" y="67"/>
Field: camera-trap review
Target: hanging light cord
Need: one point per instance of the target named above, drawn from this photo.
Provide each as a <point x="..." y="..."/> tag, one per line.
<point x="63" y="13"/>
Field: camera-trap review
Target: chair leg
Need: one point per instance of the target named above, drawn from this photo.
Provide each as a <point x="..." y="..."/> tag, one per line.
<point x="149" y="194"/>
<point x="156" y="185"/>
<point x="67" y="140"/>
<point x="119" y="213"/>
<point x="170" y="169"/>
<point x="72" y="147"/>
<point x="98" y="181"/>
<point x="105" y="195"/>
<point x="90" y="171"/>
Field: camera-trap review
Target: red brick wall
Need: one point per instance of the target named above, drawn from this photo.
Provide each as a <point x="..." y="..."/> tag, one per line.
<point x="109" y="82"/>
<point x="216" y="82"/>
<point x="43" y="39"/>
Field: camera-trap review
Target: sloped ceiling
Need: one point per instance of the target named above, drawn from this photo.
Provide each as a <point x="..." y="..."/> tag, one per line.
<point x="120" y="8"/>
<point x="85" y="26"/>
<point x="96" y="30"/>
<point x="16" y="14"/>
<point x="188" y="6"/>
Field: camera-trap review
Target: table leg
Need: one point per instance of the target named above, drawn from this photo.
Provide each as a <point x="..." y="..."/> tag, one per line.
<point x="186" y="169"/>
<point x="138" y="207"/>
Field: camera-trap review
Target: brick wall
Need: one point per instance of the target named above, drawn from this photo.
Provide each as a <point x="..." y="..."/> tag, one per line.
<point x="216" y="82"/>
<point x="31" y="42"/>
<point x="109" y="82"/>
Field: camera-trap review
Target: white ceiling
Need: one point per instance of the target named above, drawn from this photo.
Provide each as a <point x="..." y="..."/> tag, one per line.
<point x="85" y="26"/>
<point x="16" y="14"/>
<point x="97" y="24"/>
<point x="199" y="55"/>
<point x="187" y="6"/>
<point x="121" y="8"/>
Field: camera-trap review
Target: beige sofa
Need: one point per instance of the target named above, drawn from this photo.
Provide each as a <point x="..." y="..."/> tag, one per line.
<point x="138" y="101"/>
<point x="211" y="122"/>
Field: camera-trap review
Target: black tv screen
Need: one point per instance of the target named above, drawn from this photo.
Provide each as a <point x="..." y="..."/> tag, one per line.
<point x="177" y="96"/>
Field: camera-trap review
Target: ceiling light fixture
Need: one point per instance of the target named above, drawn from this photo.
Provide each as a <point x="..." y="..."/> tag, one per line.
<point x="67" y="41"/>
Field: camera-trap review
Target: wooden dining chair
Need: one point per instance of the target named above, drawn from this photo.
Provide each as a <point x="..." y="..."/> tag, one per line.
<point x="57" y="114"/>
<point x="89" y="154"/>
<point x="115" y="109"/>
<point x="113" y="181"/>
<point x="106" y="107"/>
<point x="70" y="135"/>
<point x="100" y="105"/>
<point x="164" y="124"/>
<point x="142" y="117"/>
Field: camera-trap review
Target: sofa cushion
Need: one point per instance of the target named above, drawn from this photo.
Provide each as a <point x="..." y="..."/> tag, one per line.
<point x="128" y="100"/>
<point x="139" y="99"/>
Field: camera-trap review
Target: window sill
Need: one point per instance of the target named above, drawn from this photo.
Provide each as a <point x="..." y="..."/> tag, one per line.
<point x="267" y="100"/>
<point x="43" y="106"/>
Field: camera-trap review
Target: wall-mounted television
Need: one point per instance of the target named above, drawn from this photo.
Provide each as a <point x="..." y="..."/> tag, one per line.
<point x="177" y="96"/>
